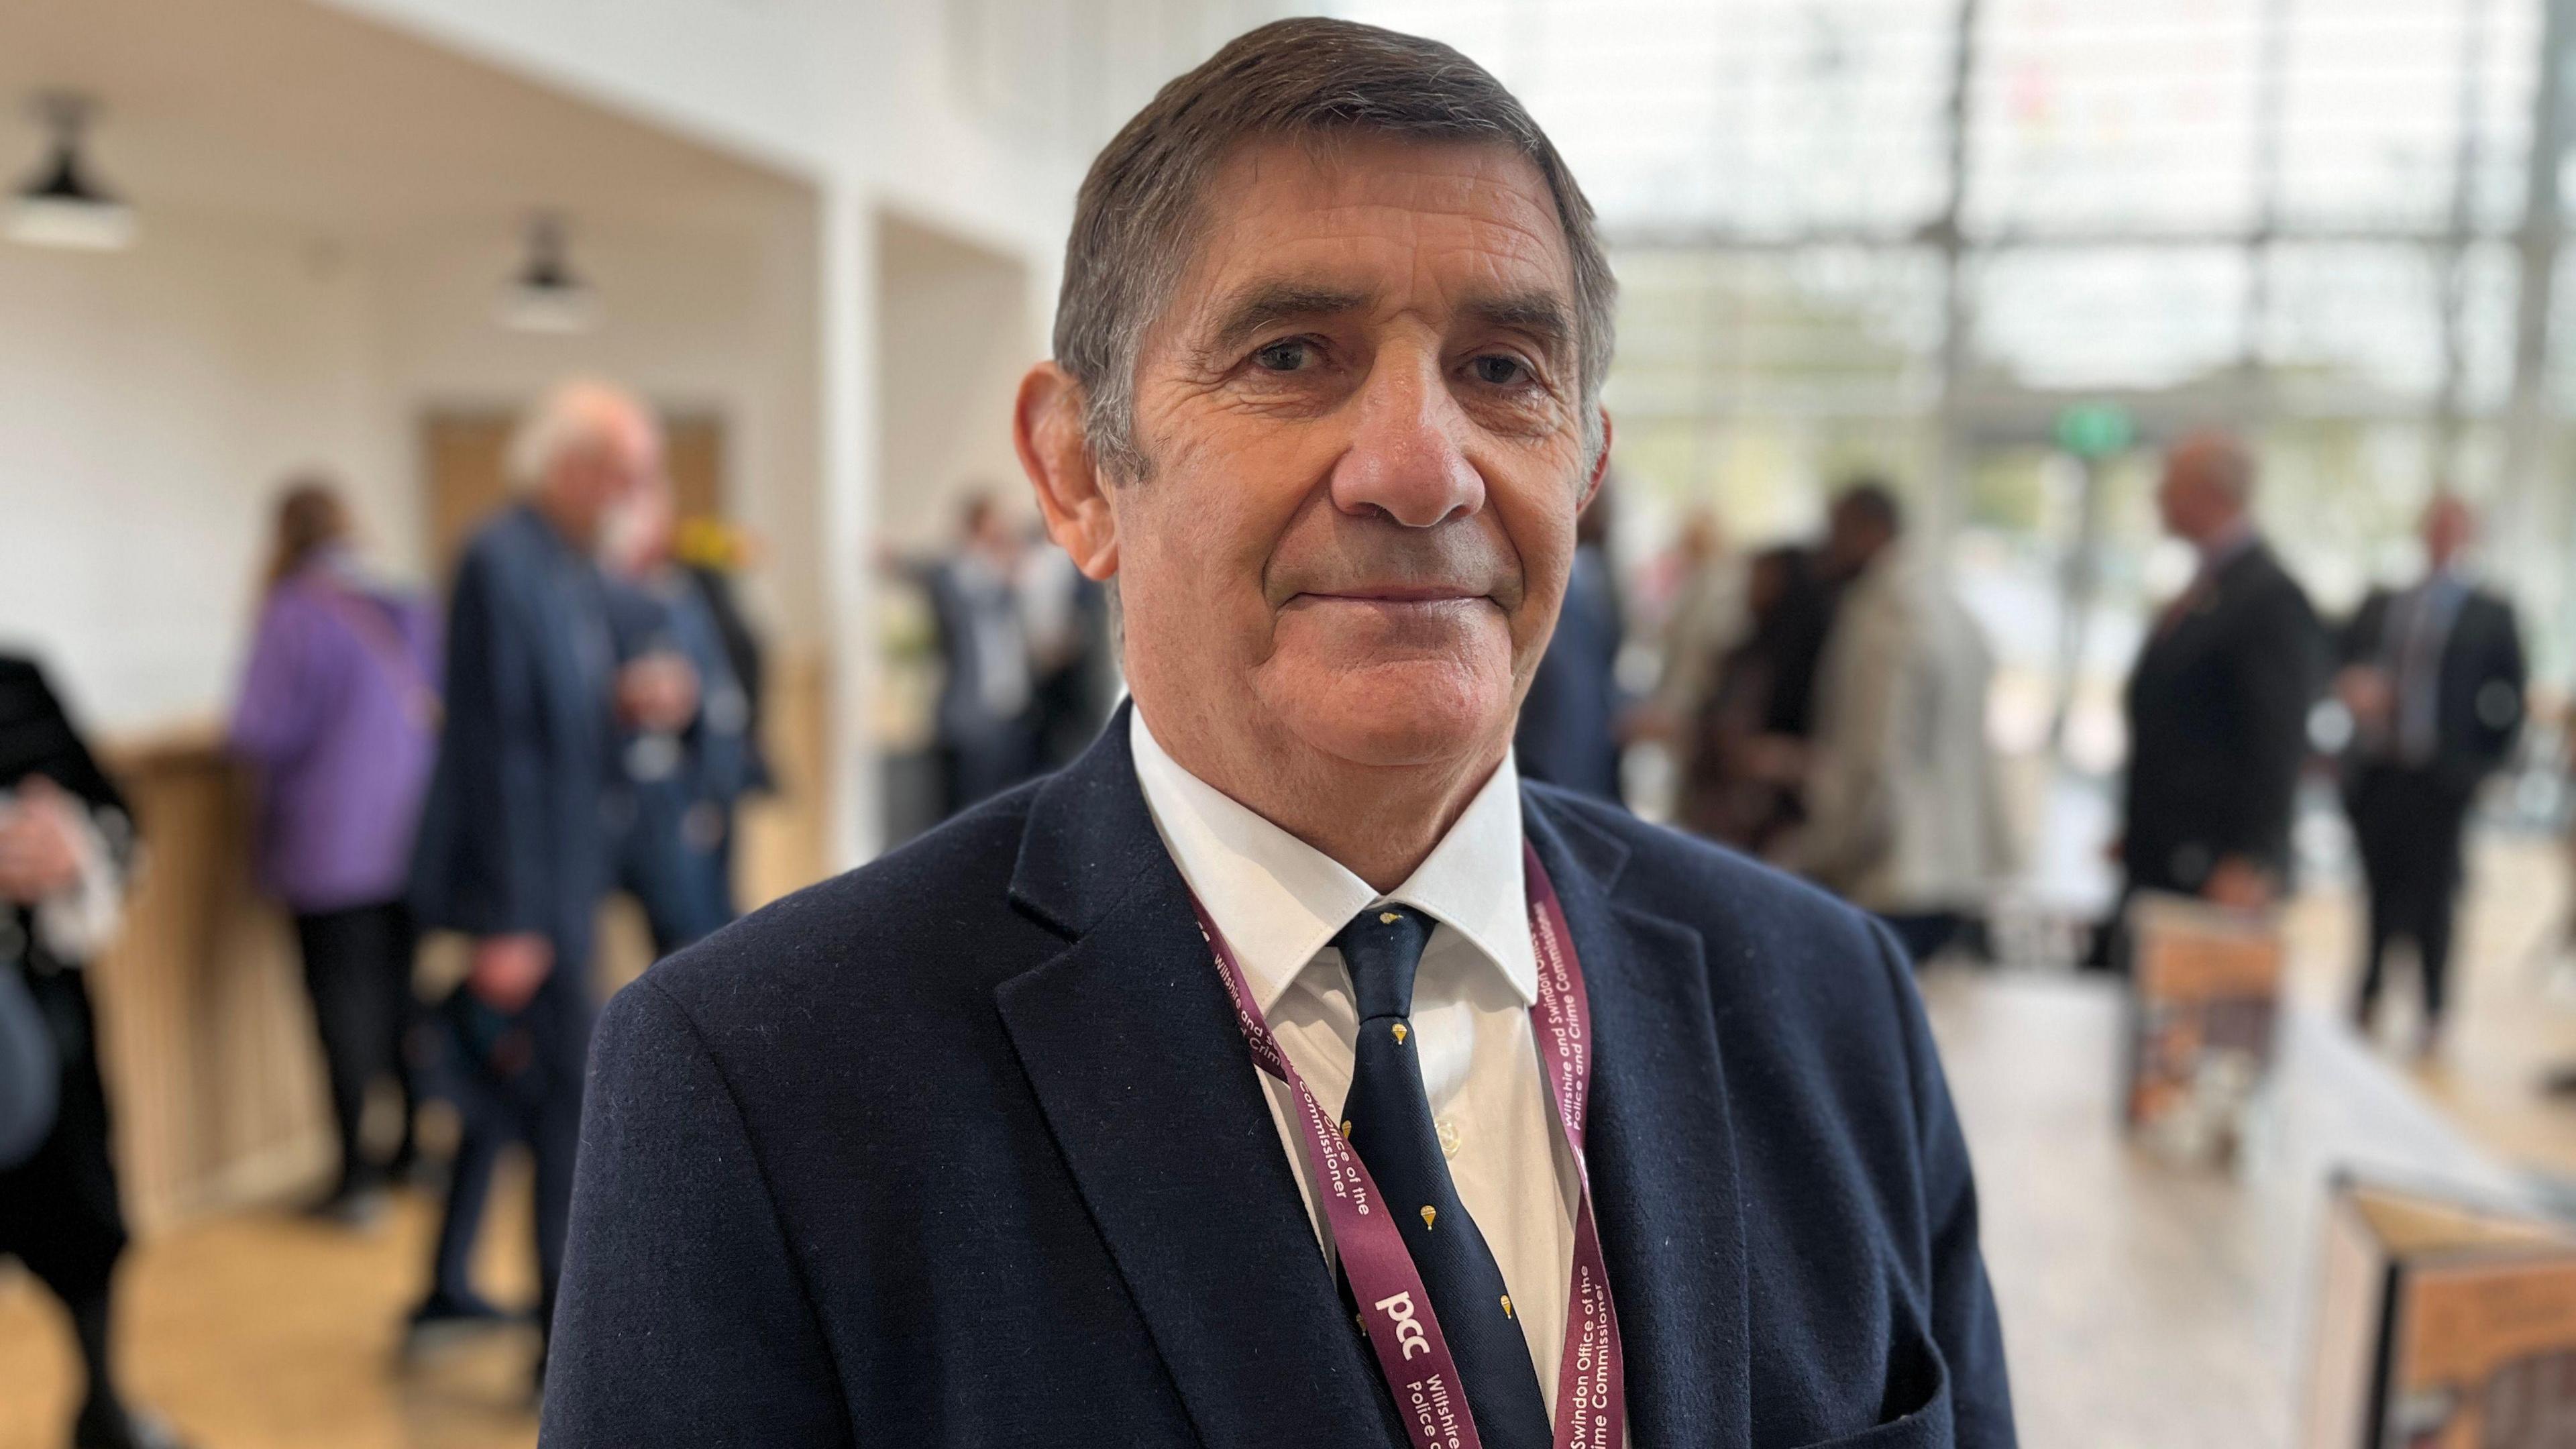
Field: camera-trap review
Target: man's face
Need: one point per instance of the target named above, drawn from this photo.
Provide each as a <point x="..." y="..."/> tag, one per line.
<point x="1362" y="413"/>
<point x="2448" y="528"/>
<point x="2180" y="500"/>
<point x="1852" y="539"/>
<point x="621" y="461"/>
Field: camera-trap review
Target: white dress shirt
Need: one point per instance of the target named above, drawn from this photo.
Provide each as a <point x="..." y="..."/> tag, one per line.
<point x="1280" y="901"/>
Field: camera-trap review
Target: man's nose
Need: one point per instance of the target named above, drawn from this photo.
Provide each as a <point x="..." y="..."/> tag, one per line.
<point x="1406" y="461"/>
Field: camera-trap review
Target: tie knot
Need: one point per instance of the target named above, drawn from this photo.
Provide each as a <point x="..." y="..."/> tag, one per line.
<point x="1382" y="946"/>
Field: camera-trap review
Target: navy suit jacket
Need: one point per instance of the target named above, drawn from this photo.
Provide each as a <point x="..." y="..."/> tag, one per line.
<point x="964" y="1148"/>
<point x="2218" y="726"/>
<point x="513" y="834"/>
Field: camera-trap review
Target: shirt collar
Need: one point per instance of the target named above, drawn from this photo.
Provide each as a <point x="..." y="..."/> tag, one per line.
<point x="2224" y="548"/>
<point x="1279" y="900"/>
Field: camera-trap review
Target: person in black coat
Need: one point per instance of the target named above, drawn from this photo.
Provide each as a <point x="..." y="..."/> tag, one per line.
<point x="983" y="1144"/>
<point x="2218" y="700"/>
<point x="66" y="845"/>
<point x="2433" y="676"/>
<point x="525" y="805"/>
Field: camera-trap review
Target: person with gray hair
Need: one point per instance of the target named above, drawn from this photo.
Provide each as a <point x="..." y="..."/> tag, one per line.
<point x="1288" y="1069"/>
<point x="517" y="837"/>
<point x="2217" y="702"/>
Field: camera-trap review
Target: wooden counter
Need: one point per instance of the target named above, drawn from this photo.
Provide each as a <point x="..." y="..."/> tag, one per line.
<point x="212" y="1068"/>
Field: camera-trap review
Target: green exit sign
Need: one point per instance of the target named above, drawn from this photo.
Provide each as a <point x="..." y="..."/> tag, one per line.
<point x="2095" y="430"/>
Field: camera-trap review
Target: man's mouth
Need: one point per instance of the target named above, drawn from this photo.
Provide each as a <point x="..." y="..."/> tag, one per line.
<point x="1392" y="594"/>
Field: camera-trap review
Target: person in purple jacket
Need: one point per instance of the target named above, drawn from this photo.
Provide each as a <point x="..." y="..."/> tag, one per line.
<point x="339" y="713"/>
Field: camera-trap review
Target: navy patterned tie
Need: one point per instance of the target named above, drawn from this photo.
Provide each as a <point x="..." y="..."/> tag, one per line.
<point x="1388" y="1119"/>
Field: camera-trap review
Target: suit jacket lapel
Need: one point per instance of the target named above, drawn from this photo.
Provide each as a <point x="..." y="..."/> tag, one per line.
<point x="1662" y="1147"/>
<point x="1127" y="1040"/>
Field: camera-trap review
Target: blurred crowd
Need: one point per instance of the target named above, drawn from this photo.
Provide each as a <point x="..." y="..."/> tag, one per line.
<point x="582" y="719"/>
<point x="1823" y="705"/>
<point x="1027" y="667"/>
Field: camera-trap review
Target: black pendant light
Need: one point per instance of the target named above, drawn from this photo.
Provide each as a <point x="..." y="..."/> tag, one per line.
<point x="59" y="206"/>
<point x="546" y="295"/>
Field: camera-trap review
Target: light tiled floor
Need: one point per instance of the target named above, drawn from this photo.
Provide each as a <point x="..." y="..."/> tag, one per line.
<point x="2514" y="998"/>
<point x="262" y="1331"/>
<point x="2148" y="1303"/>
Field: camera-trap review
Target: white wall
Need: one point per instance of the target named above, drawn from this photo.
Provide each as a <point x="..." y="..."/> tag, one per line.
<point x="150" y="401"/>
<point x="957" y="328"/>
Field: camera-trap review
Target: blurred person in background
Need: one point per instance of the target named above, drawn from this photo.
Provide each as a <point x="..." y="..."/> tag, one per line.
<point x="1744" y="785"/>
<point x="675" y="858"/>
<point x="2433" y="676"/>
<point x="1572" y="720"/>
<point x="1073" y="679"/>
<point x="715" y="556"/>
<point x="986" y="735"/>
<point x="1904" y="816"/>
<point x="1700" y="586"/>
<point x="66" y="849"/>
<point x="2217" y="702"/>
<point x="516" y="849"/>
<point x="338" y="716"/>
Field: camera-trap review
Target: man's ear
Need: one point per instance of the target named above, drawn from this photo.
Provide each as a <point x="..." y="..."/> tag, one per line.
<point x="1600" y="466"/>
<point x="1047" y="429"/>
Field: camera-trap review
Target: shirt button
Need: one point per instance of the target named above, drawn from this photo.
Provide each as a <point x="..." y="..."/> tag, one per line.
<point x="1450" y="1137"/>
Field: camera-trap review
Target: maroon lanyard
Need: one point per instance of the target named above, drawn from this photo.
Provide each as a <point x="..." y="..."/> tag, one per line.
<point x="1591" y="1383"/>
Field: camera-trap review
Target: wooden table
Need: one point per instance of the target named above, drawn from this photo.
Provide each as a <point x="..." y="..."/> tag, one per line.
<point x="2149" y="1304"/>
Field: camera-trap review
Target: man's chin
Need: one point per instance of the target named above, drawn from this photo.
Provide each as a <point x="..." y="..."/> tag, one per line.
<point x="1398" y="714"/>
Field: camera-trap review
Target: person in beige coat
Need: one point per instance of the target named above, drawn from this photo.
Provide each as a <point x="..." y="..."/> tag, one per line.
<point x="1904" y="816"/>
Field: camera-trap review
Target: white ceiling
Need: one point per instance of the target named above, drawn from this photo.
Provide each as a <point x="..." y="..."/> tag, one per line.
<point x="285" y="111"/>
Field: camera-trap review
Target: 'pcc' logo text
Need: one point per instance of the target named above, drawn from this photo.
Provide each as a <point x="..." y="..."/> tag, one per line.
<point x="1408" y="1330"/>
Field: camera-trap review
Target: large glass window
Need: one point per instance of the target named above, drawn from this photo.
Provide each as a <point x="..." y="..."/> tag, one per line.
<point x="2118" y="119"/>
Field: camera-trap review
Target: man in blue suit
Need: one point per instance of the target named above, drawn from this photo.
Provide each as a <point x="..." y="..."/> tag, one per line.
<point x="518" y="832"/>
<point x="1285" y="1071"/>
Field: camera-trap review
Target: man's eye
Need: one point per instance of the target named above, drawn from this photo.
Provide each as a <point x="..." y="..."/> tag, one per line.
<point x="1287" y="355"/>
<point x="1497" y="370"/>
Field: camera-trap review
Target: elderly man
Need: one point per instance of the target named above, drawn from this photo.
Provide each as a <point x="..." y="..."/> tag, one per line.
<point x="2433" y="675"/>
<point x="2218" y="700"/>
<point x="1285" y="1071"/>
<point x="518" y="833"/>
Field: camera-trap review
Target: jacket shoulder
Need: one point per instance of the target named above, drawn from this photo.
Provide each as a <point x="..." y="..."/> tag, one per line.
<point x="1712" y="887"/>
<point x="503" y="543"/>
<point x="928" y="926"/>
<point x="1806" y="988"/>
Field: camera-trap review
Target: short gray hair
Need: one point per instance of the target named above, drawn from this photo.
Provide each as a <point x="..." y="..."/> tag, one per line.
<point x="569" y="418"/>
<point x="1311" y="78"/>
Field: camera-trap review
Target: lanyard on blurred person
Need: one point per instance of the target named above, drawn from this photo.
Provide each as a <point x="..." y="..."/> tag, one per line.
<point x="1412" y="1353"/>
